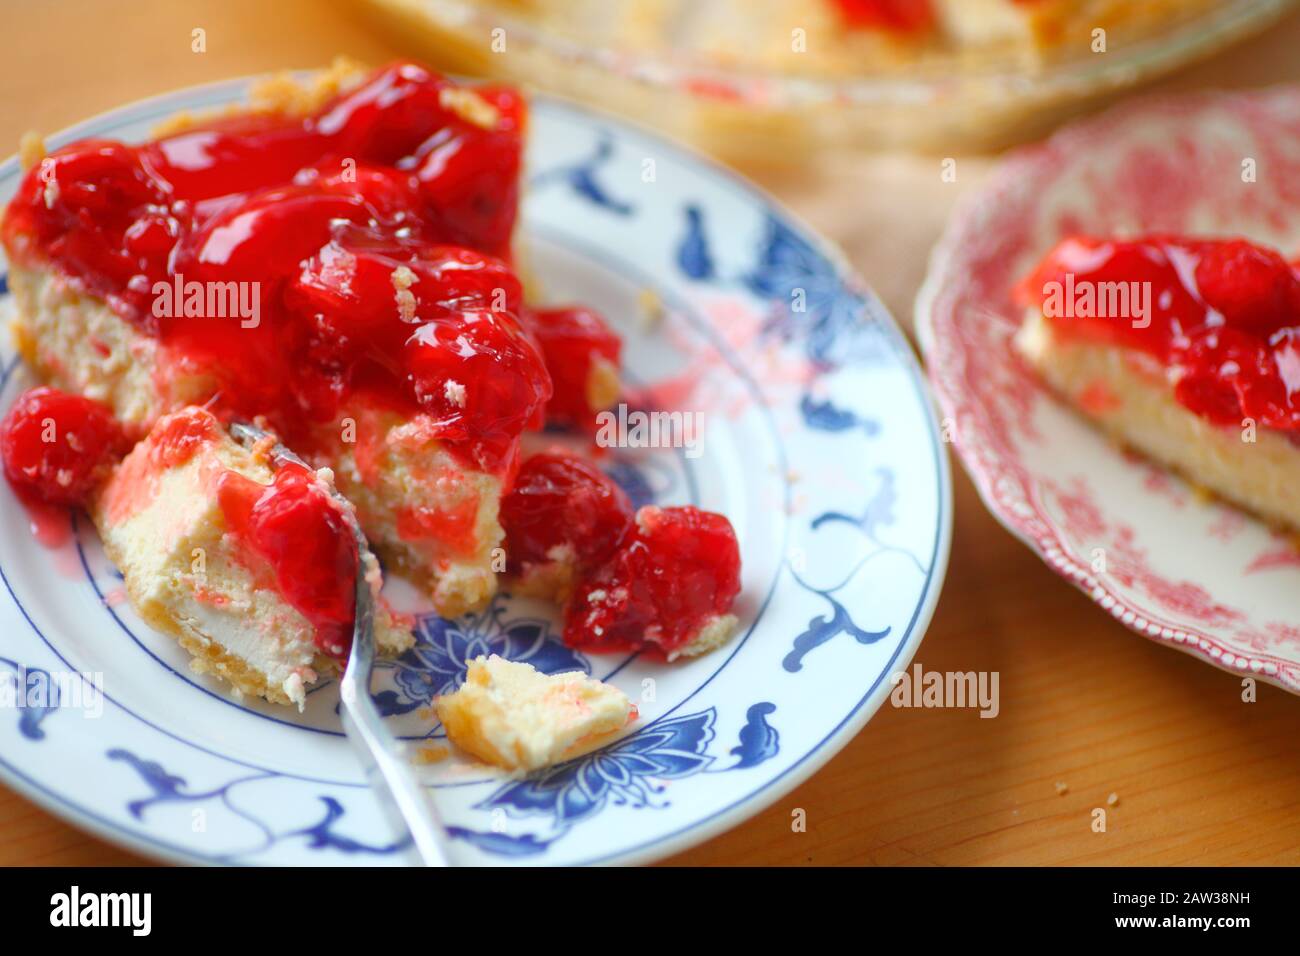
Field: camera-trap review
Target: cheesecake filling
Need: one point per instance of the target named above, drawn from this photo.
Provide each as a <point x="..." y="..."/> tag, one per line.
<point x="251" y="564"/>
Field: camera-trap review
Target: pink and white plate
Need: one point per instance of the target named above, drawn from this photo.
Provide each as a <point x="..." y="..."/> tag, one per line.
<point x="1198" y="575"/>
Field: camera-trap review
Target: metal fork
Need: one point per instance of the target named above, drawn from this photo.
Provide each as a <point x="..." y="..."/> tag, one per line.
<point x="406" y="803"/>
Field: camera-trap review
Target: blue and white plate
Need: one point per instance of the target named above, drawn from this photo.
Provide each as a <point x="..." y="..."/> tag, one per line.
<point x="819" y="444"/>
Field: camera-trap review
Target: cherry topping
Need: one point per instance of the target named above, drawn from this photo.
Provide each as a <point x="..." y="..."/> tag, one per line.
<point x="1223" y="315"/>
<point x="57" y="447"/>
<point x="298" y="528"/>
<point x="563" y="509"/>
<point x="582" y="354"/>
<point x="678" y="570"/>
<point x="346" y="238"/>
<point x="1255" y="288"/>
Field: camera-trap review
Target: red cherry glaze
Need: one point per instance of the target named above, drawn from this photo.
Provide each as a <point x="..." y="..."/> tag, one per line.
<point x="563" y="502"/>
<point x="679" y="569"/>
<point x="454" y="528"/>
<point x="298" y="529"/>
<point x="574" y="340"/>
<point x="58" y="447"/>
<point x="319" y="211"/>
<point x="896" y="16"/>
<point x="1225" y="318"/>
<point x="482" y="380"/>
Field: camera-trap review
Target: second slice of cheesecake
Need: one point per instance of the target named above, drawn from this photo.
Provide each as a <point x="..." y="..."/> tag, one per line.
<point x="250" y="568"/>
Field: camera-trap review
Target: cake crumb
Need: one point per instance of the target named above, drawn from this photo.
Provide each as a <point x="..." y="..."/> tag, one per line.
<point x="178" y="122"/>
<point x="428" y="755"/>
<point x="470" y="107"/>
<point x="1112" y="800"/>
<point x="651" y="308"/>
<point x="1062" y="788"/>
<point x="282" y="93"/>
<point x="455" y="392"/>
<point x="285" y="93"/>
<point x="403" y="278"/>
<point x="263" y="448"/>
<point x="31" y="149"/>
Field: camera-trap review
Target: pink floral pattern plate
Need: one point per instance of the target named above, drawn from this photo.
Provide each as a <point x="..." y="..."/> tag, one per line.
<point x="1196" y="574"/>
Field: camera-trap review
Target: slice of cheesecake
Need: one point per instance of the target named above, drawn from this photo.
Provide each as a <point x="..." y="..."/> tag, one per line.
<point x="333" y="258"/>
<point x="1185" y="350"/>
<point x="515" y="717"/>
<point x="250" y="568"/>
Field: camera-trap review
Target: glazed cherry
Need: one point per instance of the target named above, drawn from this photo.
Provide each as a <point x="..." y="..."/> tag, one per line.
<point x="1223" y="315"/>
<point x="58" y="447"/>
<point x="298" y="528"/>
<point x="582" y="354"/>
<point x="467" y="161"/>
<point x="677" y="571"/>
<point x="1254" y="288"/>
<point x="347" y="294"/>
<point x="481" y="379"/>
<point x="564" y="509"/>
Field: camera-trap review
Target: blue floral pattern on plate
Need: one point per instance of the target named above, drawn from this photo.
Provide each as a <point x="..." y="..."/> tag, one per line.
<point x="443" y="649"/>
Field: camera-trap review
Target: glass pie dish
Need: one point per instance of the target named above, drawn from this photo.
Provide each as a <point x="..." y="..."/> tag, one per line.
<point x="729" y="77"/>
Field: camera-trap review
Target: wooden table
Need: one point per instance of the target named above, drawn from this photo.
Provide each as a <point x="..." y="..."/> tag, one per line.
<point x="1202" y="778"/>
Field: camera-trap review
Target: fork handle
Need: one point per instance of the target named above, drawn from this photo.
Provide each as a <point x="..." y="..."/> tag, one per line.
<point x="390" y="775"/>
<point x="406" y="803"/>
